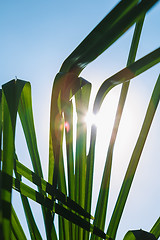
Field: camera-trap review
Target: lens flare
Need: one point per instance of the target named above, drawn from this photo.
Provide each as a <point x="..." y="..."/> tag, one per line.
<point x="66" y="125"/>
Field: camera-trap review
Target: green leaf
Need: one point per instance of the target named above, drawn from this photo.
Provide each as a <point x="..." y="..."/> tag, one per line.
<point x="34" y="232"/>
<point x="27" y="121"/>
<point x="156" y="229"/>
<point x="139" y="235"/>
<point x="16" y="226"/>
<point x="65" y="86"/>
<point x="10" y="98"/>
<point x="26" y="117"/>
<point x="57" y="208"/>
<point x="68" y="125"/>
<point x="122" y="198"/>
<point x="48" y="188"/>
<point x="116" y="23"/>
<point x="125" y="75"/>
<point x="82" y="102"/>
<point x="1" y="229"/>
<point x="101" y="207"/>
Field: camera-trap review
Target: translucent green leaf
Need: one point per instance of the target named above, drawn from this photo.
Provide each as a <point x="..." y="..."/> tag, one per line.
<point x="16" y="226"/>
<point x="82" y="102"/>
<point x="57" y="208"/>
<point x="125" y="75"/>
<point x="11" y="92"/>
<point x="27" y="121"/>
<point x="139" y="235"/>
<point x="48" y="188"/>
<point x="101" y="207"/>
<point x="116" y="23"/>
<point x="122" y="198"/>
<point x="156" y="229"/>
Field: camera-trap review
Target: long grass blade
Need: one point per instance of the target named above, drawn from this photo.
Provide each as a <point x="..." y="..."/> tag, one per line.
<point x="32" y="226"/>
<point x="64" y="87"/>
<point x="118" y="21"/>
<point x="101" y="207"/>
<point x="82" y="101"/>
<point x="48" y="188"/>
<point x="16" y="226"/>
<point x="125" y="75"/>
<point x="89" y="173"/>
<point x="1" y="228"/>
<point x="57" y="208"/>
<point x="27" y="121"/>
<point x="122" y="198"/>
<point x="68" y="125"/>
<point x="11" y="92"/>
<point x="26" y="117"/>
<point x="156" y="229"/>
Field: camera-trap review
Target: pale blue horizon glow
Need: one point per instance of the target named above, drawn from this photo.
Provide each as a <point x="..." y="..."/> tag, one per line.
<point x="36" y="37"/>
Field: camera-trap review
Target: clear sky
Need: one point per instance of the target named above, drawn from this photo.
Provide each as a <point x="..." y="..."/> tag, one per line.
<point x="35" y="38"/>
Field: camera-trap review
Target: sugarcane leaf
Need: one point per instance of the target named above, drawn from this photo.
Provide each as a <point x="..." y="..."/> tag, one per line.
<point x="11" y="92"/>
<point x="82" y="101"/>
<point x="125" y="75"/>
<point x="127" y="182"/>
<point x="118" y="21"/>
<point x="16" y="226"/>
<point x="48" y="188"/>
<point x="139" y="235"/>
<point x="33" y="229"/>
<point x="1" y="229"/>
<point x="101" y="207"/>
<point x="156" y="229"/>
<point x="64" y="87"/>
<point x="26" y="116"/>
<point x="57" y="208"/>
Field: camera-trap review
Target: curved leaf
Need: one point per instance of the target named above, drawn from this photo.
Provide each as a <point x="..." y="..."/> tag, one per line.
<point x="122" y="198"/>
<point x="11" y="92"/>
<point x="125" y="75"/>
<point x="139" y="235"/>
<point x="118" y="21"/>
<point x="101" y="207"/>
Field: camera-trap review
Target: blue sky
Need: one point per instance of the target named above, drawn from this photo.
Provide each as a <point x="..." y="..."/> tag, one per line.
<point x="36" y="37"/>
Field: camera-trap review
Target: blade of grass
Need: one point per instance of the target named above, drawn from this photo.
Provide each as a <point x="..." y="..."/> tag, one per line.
<point x="101" y="207"/>
<point x="1" y="229"/>
<point x="68" y="124"/>
<point x="118" y="21"/>
<point x="82" y="101"/>
<point x="156" y="229"/>
<point x="125" y="75"/>
<point x="91" y="42"/>
<point x="27" y="121"/>
<point x="89" y="173"/>
<point x="16" y="226"/>
<point x="64" y="87"/>
<point x="48" y="188"/>
<point x="10" y="97"/>
<point x="45" y="201"/>
<point x="26" y="117"/>
<point x="122" y="198"/>
<point x="64" y="225"/>
<point x="32" y="226"/>
<point x="138" y="234"/>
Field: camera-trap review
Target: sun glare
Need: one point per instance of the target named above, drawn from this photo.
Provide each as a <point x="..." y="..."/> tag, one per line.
<point x="91" y="119"/>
